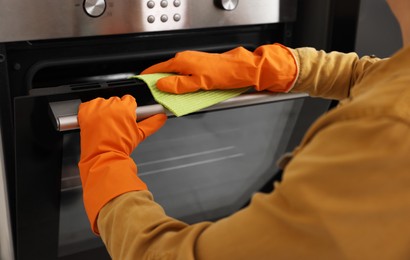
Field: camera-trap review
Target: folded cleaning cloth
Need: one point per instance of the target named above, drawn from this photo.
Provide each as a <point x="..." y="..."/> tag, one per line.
<point x="183" y="104"/>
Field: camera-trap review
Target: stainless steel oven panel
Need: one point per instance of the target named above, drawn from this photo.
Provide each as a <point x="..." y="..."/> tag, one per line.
<point x="36" y="20"/>
<point x="6" y="242"/>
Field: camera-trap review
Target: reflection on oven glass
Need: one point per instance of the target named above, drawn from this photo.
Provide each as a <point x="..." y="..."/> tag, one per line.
<point x="74" y="233"/>
<point x="199" y="167"/>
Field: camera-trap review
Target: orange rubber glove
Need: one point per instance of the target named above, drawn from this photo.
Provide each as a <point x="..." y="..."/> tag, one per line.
<point x="269" y="67"/>
<point x="109" y="133"/>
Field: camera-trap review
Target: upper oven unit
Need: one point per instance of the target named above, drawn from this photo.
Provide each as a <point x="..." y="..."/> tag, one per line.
<point x="56" y="51"/>
<point x="37" y="20"/>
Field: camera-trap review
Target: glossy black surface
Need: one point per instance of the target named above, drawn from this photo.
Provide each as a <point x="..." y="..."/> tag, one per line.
<point x="36" y="73"/>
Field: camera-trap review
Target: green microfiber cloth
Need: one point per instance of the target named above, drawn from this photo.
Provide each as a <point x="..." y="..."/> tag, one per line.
<point x="183" y="104"/>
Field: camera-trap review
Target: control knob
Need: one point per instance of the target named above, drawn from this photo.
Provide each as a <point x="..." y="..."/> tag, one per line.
<point x="94" y="8"/>
<point x="227" y="5"/>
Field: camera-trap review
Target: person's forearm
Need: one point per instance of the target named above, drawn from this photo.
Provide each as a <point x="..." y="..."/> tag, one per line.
<point x="329" y="75"/>
<point x="133" y="226"/>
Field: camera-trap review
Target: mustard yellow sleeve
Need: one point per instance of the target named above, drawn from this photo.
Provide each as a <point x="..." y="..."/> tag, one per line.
<point x="134" y="226"/>
<point x="329" y="75"/>
<point x="336" y="201"/>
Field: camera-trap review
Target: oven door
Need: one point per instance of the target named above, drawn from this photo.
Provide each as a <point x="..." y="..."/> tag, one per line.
<point x="199" y="167"/>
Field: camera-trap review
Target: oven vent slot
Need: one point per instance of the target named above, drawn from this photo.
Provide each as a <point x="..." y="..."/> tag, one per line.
<point x="95" y="85"/>
<point x="106" y="84"/>
<point x="123" y="83"/>
<point x="85" y="86"/>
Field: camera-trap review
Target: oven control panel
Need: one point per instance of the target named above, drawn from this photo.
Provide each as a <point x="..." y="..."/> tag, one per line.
<point x="164" y="11"/>
<point x="26" y="20"/>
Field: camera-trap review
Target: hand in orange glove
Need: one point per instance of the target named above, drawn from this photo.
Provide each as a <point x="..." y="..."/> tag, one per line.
<point x="269" y="67"/>
<point x="109" y="133"/>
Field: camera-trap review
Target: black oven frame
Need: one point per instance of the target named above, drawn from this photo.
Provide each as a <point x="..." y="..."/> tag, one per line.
<point x="37" y="147"/>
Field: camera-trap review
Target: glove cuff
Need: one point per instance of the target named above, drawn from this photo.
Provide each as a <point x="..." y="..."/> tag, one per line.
<point x="279" y="69"/>
<point x="109" y="175"/>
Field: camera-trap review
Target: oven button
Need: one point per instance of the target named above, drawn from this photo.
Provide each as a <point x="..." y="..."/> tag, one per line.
<point x="94" y="8"/>
<point x="151" y="4"/>
<point x="177" y="3"/>
<point x="177" y="17"/>
<point x="151" y="19"/>
<point x="227" y="5"/>
<point x="164" y="3"/>
<point x="164" y="18"/>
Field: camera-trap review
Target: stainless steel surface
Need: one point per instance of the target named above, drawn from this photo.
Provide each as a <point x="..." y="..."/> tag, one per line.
<point x="228" y="5"/>
<point x="95" y="8"/>
<point x="65" y="112"/>
<point x="45" y="19"/>
<point x="6" y="241"/>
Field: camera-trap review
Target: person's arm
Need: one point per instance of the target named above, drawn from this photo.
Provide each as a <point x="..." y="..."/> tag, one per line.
<point x="274" y="68"/>
<point x="329" y="75"/>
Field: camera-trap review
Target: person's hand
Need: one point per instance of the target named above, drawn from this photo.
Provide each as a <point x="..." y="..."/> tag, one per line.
<point x="109" y="133"/>
<point x="109" y="125"/>
<point x="269" y="67"/>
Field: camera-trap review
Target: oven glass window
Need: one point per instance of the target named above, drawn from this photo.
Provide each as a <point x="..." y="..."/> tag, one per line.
<point x="199" y="167"/>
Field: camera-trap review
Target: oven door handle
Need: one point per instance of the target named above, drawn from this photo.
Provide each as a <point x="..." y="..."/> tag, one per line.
<point x="64" y="113"/>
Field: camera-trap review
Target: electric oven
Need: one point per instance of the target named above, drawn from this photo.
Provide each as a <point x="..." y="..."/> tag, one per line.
<point x="203" y="166"/>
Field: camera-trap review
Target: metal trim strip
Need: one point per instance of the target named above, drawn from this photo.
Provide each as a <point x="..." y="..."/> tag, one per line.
<point x="6" y="238"/>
